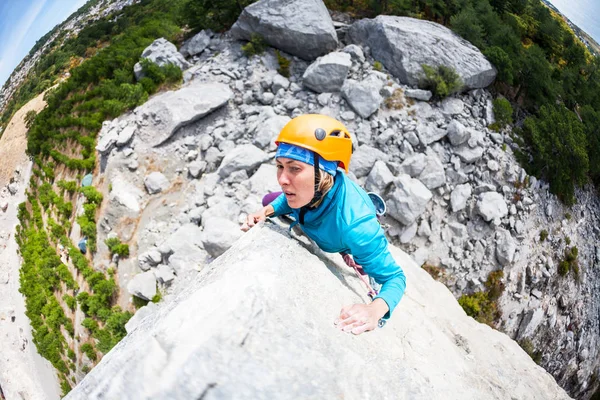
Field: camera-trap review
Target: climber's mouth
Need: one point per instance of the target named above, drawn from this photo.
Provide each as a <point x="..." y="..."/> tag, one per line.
<point x="289" y="195"/>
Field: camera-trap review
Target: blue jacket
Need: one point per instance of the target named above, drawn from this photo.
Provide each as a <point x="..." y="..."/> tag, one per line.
<point x="346" y="222"/>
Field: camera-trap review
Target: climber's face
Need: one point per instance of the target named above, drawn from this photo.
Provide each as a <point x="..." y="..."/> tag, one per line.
<point x="297" y="180"/>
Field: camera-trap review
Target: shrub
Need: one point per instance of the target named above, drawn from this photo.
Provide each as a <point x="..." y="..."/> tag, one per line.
<point x="377" y="66"/>
<point x="543" y="235"/>
<point x="527" y="346"/>
<point x="255" y="46"/>
<point x="284" y="64"/>
<point x="116" y="247"/>
<point x="436" y="272"/>
<point x="29" y="118"/>
<point x="503" y="112"/>
<point x="89" y="351"/>
<point x="441" y="81"/>
<point x="483" y="305"/>
<point x="396" y="100"/>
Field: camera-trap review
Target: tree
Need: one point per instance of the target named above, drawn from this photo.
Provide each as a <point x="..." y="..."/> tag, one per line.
<point x="502" y="62"/>
<point x="558" y="143"/>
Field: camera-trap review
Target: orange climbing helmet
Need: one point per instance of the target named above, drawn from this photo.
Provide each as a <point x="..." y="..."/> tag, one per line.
<point x="321" y="134"/>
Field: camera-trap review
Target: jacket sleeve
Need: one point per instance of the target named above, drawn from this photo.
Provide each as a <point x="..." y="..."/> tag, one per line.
<point x="280" y="205"/>
<point x="369" y="247"/>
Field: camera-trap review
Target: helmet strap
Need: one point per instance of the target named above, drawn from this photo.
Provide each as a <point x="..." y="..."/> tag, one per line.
<point x="318" y="195"/>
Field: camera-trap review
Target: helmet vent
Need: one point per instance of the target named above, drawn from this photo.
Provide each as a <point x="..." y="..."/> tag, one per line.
<point x="339" y="133"/>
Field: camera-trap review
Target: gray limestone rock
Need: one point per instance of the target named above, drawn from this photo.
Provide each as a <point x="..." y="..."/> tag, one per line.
<point x="162" y="52"/>
<point x="164" y="274"/>
<point x="414" y="165"/>
<point x="268" y="130"/>
<point x="364" y="159"/>
<point x="363" y="96"/>
<point x="165" y="113"/>
<point x="197" y="44"/>
<point x="468" y="154"/>
<point x="143" y="285"/>
<point x="219" y="235"/>
<point x="409" y="199"/>
<point x="355" y="51"/>
<point x="505" y="247"/>
<point x="457" y="133"/>
<point x="148" y="259"/>
<point x="429" y="133"/>
<point x="327" y="73"/>
<point x="139" y="315"/>
<point x="433" y="174"/>
<point x="379" y="178"/>
<point x="299" y="27"/>
<point x="404" y="44"/>
<point x="156" y="182"/>
<point x="187" y="345"/>
<point x="491" y="205"/>
<point x="264" y="180"/>
<point x="247" y="157"/>
<point x="125" y="136"/>
<point x="419" y="94"/>
<point x="459" y="197"/>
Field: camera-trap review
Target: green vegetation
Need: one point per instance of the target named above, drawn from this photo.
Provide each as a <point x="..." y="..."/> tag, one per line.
<point x="570" y="262"/>
<point x="441" y="81"/>
<point x="255" y="46"/>
<point x="483" y="305"/>
<point x="116" y="247"/>
<point x="377" y="66"/>
<point x="284" y="64"/>
<point x="218" y="16"/>
<point x="543" y="235"/>
<point x="503" y="112"/>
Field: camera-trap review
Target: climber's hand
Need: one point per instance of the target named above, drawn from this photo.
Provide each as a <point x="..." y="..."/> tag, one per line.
<point x="256" y="217"/>
<point x="359" y="318"/>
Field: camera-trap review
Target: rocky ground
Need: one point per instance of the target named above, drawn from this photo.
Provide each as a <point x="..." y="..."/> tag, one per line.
<point x="457" y="198"/>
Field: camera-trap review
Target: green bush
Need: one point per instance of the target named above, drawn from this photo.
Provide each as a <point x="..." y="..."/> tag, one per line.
<point x="255" y="46"/>
<point x="116" y="247"/>
<point x="284" y="64"/>
<point x="543" y="235"/>
<point x="208" y="14"/>
<point x="89" y="351"/>
<point x="503" y="112"/>
<point x="483" y="305"/>
<point x="441" y="81"/>
<point x="377" y="66"/>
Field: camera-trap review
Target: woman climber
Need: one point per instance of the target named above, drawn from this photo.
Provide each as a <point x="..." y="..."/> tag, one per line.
<point x="333" y="211"/>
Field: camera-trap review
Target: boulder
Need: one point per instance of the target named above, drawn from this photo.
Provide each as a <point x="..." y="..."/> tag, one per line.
<point x="268" y="130"/>
<point x="457" y="133"/>
<point x="143" y="285"/>
<point x="161" y="52"/>
<point x="505" y="247"/>
<point x="433" y="175"/>
<point x="4" y="206"/>
<point x="245" y="157"/>
<point x="491" y="205"/>
<point x="408" y="200"/>
<point x="125" y="193"/>
<point x="164" y="274"/>
<point x="264" y="180"/>
<point x="125" y="136"/>
<point x="403" y="44"/>
<point x="419" y="94"/>
<point x="156" y="182"/>
<point x="280" y="82"/>
<point x="379" y="178"/>
<point x="459" y="197"/>
<point x="197" y="168"/>
<point x="187" y="249"/>
<point x="429" y="133"/>
<point x="468" y="154"/>
<point x="196" y="45"/>
<point x="414" y="165"/>
<point x="452" y="106"/>
<point x="161" y="116"/>
<point x="219" y="235"/>
<point x="327" y="73"/>
<point x="148" y="259"/>
<point x="188" y="346"/>
<point x="363" y="97"/>
<point x="355" y="52"/>
<point x="299" y="27"/>
<point x="364" y="158"/>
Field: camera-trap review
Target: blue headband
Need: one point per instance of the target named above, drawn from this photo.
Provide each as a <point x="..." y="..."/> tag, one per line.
<point x="306" y="156"/>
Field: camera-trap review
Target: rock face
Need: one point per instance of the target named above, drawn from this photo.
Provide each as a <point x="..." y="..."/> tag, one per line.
<point x="168" y="112"/>
<point x="182" y="350"/>
<point x="300" y="27"/>
<point x="403" y="44"/>
<point x="196" y="45"/>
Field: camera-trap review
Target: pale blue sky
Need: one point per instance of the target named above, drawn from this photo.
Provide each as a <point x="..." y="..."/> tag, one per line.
<point x="23" y="22"/>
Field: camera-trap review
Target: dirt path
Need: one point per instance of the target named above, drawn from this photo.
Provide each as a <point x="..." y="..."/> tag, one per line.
<point x="23" y="372"/>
